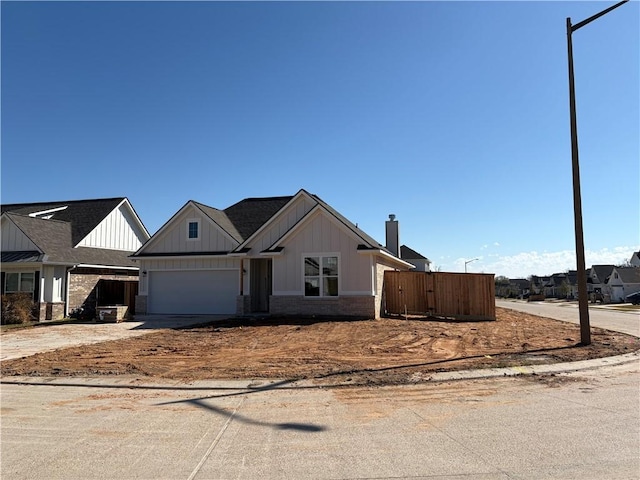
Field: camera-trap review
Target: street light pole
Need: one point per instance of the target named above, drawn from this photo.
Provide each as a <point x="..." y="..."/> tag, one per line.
<point x="583" y="301"/>
<point x="468" y="262"/>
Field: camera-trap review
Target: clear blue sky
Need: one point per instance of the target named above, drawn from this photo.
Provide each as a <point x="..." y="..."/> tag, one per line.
<point x="451" y="115"/>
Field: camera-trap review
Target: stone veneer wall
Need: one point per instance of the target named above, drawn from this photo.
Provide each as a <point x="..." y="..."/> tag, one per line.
<point x="243" y="304"/>
<point x="347" y="306"/>
<point x="82" y="287"/>
<point x="141" y="304"/>
<point x="48" y="311"/>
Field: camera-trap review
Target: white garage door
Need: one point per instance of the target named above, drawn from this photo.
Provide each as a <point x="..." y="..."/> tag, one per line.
<point x="193" y="292"/>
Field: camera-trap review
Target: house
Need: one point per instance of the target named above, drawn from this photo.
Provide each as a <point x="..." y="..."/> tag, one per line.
<point x="562" y="285"/>
<point x="71" y="254"/>
<point x="422" y="263"/>
<point x="623" y="281"/>
<point x="597" y="277"/>
<point x="519" y="287"/>
<point x="635" y="259"/>
<point x="291" y="255"/>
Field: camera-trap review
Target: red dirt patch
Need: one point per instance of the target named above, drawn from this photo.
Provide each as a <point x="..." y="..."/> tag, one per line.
<point x="369" y="351"/>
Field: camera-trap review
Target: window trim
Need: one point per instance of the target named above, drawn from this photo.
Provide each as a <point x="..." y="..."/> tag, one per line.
<point x="191" y="221"/>
<point x="321" y="276"/>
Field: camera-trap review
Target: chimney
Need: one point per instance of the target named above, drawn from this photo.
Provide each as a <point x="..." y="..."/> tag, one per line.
<point x="392" y="235"/>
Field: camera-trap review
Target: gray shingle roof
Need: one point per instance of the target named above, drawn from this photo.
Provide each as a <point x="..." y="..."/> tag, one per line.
<point x="250" y="214"/>
<point x="629" y="274"/>
<point x="53" y="238"/>
<point x="83" y="215"/>
<point x="409" y="253"/>
<point x="602" y="272"/>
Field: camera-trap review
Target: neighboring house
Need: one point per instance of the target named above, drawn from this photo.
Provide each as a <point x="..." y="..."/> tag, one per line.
<point x="562" y="285"/>
<point x="279" y="255"/>
<point x="635" y="259"/>
<point x="623" y="281"/>
<point x="422" y="263"/>
<point x="71" y="254"/>
<point x="520" y="287"/>
<point x="597" y="277"/>
<point x="539" y="284"/>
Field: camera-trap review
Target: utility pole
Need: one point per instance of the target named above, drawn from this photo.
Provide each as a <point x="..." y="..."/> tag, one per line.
<point x="583" y="301"/>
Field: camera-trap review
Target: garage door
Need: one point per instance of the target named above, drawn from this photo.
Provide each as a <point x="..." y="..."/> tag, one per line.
<point x="193" y="292"/>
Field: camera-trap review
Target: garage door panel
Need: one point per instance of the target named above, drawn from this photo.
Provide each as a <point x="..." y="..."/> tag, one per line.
<point x="193" y="292"/>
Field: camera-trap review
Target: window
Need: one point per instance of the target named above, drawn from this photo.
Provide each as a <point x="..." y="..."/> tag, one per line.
<point x="321" y="276"/>
<point x="193" y="229"/>
<point x="19" y="282"/>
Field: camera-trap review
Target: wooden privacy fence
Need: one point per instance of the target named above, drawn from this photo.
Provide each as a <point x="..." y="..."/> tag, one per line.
<point x="469" y="296"/>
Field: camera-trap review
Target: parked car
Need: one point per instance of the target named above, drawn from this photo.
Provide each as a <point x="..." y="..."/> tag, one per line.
<point x="633" y="298"/>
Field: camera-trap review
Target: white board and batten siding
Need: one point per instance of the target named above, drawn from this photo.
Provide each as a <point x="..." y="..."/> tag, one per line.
<point x="282" y="224"/>
<point x="13" y="240"/>
<point x="120" y="230"/>
<point x="174" y="237"/>
<point x="322" y="235"/>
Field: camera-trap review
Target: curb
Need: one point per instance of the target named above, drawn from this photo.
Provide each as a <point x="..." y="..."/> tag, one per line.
<point x="545" y="369"/>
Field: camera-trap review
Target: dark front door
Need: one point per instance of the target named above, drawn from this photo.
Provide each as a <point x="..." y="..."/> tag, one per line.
<point x="260" y="284"/>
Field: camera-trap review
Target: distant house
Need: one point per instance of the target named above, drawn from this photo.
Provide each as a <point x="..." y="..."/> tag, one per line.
<point x="562" y="285"/>
<point x="290" y="255"/>
<point x="71" y="254"/>
<point x="597" y="277"/>
<point x="623" y="281"/>
<point x="519" y="287"/>
<point x="635" y="259"/>
<point x="422" y="263"/>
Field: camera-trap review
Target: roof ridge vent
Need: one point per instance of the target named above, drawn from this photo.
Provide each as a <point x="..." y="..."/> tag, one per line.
<point x="47" y="214"/>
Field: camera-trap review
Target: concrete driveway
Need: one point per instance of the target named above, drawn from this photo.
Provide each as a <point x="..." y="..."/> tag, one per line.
<point x="29" y="341"/>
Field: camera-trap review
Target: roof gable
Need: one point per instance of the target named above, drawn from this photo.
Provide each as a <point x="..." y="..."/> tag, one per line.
<point x="602" y="272"/>
<point x="217" y="234"/>
<point x="628" y="274"/>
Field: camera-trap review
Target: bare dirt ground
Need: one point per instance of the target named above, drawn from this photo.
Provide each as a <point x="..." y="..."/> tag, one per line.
<point x="385" y="351"/>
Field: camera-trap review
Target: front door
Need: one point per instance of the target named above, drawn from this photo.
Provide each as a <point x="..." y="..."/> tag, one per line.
<point x="260" y="284"/>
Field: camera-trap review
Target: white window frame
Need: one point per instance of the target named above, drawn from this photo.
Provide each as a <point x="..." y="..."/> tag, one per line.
<point x="320" y="275"/>
<point x="197" y="222"/>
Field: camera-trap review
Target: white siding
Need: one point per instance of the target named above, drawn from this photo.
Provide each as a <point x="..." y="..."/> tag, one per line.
<point x="174" y="237"/>
<point x="320" y="235"/>
<point x="281" y="225"/>
<point x="118" y="231"/>
<point x="13" y="240"/>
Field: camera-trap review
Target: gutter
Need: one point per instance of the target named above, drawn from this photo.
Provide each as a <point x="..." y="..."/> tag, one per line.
<point x="388" y="256"/>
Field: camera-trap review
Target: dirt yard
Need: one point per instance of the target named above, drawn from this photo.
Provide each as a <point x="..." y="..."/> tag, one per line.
<point x="383" y="351"/>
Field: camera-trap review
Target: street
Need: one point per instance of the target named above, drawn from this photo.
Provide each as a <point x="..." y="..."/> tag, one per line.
<point x="603" y="316"/>
<point x="582" y="425"/>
